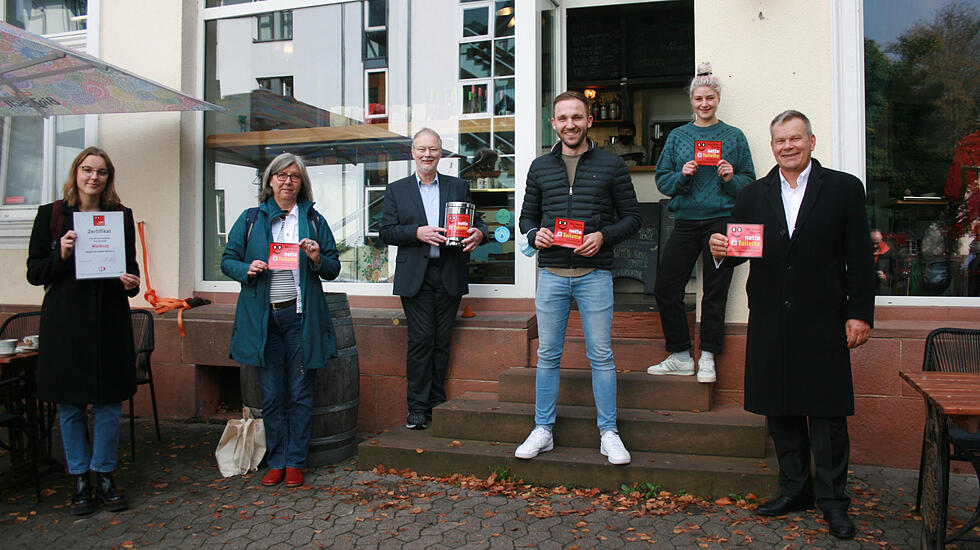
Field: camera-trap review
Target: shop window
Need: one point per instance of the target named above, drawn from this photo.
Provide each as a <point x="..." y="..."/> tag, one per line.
<point x="922" y="146"/>
<point x="274" y="26"/>
<point x="352" y="118"/>
<point x="486" y="128"/>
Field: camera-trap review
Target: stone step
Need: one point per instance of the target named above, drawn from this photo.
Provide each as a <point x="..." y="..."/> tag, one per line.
<point x="630" y="354"/>
<point x="704" y="476"/>
<point x="726" y="431"/>
<point x="635" y="390"/>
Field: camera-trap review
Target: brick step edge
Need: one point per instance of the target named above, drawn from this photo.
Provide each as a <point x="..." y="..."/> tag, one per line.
<point x="637" y="390"/>
<point x="727" y="431"/>
<point x="703" y="476"/>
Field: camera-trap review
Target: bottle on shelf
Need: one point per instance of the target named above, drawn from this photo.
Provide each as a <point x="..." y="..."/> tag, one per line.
<point x="604" y="112"/>
<point x="615" y="110"/>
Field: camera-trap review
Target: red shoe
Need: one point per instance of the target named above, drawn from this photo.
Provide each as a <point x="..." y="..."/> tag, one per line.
<point x="294" y="477"/>
<point x="272" y="477"/>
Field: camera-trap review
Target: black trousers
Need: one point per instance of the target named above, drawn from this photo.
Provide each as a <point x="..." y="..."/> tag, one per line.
<point x="689" y="240"/>
<point x="826" y="437"/>
<point x="430" y="315"/>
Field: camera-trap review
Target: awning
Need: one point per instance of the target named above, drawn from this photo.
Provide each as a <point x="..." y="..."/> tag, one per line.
<point x="39" y="77"/>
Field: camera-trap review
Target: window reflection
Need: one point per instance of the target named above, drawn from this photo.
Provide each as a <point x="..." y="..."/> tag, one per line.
<point x="923" y="147"/>
<point x="332" y="95"/>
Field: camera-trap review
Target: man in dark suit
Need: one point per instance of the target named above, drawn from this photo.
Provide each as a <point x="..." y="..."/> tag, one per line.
<point x="811" y="298"/>
<point x="430" y="277"/>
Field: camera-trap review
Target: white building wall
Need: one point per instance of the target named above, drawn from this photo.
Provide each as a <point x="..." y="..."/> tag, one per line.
<point x="770" y="56"/>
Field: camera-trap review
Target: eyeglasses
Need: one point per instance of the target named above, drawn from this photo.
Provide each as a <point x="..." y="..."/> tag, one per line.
<point x="87" y="171"/>
<point x="295" y="178"/>
<point x="430" y="150"/>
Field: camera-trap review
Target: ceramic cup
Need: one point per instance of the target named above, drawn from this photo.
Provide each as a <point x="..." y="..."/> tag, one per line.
<point x="32" y="340"/>
<point x="8" y="345"/>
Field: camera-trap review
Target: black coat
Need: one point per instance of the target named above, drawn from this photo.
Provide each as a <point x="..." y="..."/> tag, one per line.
<point x="86" y="353"/>
<point x="801" y="293"/>
<point x="404" y="214"/>
<point x="602" y="197"/>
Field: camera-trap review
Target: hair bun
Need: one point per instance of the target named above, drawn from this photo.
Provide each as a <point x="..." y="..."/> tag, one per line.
<point x="704" y="69"/>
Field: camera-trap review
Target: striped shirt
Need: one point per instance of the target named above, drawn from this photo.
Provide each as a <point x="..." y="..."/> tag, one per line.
<point x="284" y="285"/>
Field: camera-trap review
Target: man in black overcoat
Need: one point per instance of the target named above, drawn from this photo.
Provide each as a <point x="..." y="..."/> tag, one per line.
<point x="811" y="299"/>
<point x="430" y="278"/>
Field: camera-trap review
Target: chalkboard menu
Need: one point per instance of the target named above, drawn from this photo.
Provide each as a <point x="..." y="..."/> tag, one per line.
<point x="660" y="44"/>
<point x="634" y="41"/>
<point x="595" y="47"/>
<point x="636" y="258"/>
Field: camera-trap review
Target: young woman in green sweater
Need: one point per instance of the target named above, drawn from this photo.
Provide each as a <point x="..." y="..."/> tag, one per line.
<point x="703" y="166"/>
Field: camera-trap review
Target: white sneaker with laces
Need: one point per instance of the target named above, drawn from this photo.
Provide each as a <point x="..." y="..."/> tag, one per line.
<point x="611" y="446"/>
<point x="672" y="365"/>
<point x="706" y="370"/>
<point x="539" y="441"/>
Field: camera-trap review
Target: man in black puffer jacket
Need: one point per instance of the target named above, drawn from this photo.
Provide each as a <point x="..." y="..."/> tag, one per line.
<point x="579" y="202"/>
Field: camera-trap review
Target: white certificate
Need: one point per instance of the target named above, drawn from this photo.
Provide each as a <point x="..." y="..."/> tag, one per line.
<point x="100" y="251"/>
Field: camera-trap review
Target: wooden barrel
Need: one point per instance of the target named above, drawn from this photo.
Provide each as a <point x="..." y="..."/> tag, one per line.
<point x="335" y="394"/>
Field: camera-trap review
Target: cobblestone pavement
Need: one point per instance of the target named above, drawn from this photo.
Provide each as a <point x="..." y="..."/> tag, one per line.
<point x="179" y="500"/>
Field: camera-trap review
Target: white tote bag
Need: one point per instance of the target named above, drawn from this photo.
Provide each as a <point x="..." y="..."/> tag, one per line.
<point x="242" y="445"/>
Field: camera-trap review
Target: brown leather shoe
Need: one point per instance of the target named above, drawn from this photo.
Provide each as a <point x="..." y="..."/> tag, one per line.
<point x="294" y="477"/>
<point x="272" y="477"/>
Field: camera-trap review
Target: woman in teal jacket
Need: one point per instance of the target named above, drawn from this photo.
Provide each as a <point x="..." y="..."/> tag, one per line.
<point x="282" y="321"/>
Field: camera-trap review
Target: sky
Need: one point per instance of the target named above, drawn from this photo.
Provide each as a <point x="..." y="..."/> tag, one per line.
<point x="885" y="20"/>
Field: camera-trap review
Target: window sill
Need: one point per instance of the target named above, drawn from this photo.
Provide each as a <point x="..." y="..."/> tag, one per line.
<point x="16" y="223"/>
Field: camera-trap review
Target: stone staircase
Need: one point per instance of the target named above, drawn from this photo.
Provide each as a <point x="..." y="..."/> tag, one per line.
<point x="677" y="439"/>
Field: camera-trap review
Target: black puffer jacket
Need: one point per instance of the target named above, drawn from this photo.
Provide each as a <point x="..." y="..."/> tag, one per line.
<point x="602" y="197"/>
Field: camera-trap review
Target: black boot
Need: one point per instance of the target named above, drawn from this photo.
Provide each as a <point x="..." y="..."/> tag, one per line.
<point x="82" y="503"/>
<point x="105" y="491"/>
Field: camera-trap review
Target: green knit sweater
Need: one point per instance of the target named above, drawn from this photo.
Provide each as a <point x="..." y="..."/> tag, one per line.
<point x="704" y="195"/>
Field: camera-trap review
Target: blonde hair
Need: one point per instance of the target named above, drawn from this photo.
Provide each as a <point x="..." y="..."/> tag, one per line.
<point x="704" y="78"/>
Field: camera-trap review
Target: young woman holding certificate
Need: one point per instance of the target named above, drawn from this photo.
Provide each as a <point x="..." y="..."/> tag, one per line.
<point x="279" y="251"/>
<point x="86" y="353"/>
<point x="703" y="166"/>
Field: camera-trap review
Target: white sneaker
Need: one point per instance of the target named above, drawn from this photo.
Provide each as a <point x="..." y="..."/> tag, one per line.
<point x="672" y="365"/>
<point x="610" y="445"/>
<point x="539" y="441"/>
<point x="706" y="370"/>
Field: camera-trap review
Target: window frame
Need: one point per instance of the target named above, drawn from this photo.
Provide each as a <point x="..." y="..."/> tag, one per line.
<point x="273" y="27"/>
<point x="368" y="116"/>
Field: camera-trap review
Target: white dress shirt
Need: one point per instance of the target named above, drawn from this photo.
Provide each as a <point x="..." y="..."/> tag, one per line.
<point x="793" y="198"/>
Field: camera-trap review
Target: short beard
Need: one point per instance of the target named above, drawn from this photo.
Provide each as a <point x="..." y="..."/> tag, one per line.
<point x="573" y="145"/>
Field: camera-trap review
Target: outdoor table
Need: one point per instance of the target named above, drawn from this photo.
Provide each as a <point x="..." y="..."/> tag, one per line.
<point x="949" y="397"/>
<point x="25" y="364"/>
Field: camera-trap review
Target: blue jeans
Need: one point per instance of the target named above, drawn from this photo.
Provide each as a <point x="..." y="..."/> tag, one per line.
<point x="287" y="391"/>
<point x="594" y="295"/>
<point x="105" y="437"/>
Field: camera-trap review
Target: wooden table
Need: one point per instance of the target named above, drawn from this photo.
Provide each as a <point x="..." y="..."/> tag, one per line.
<point x="950" y="397"/>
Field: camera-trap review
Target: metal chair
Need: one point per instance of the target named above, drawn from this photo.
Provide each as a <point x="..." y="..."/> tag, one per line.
<point x="18" y="417"/>
<point x="954" y="350"/>
<point x="143" y="342"/>
<point x="18" y="326"/>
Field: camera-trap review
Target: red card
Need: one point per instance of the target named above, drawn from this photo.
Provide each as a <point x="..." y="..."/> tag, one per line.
<point x="569" y="233"/>
<point x="745" y="240"/>
<point x="283" y="256"/>
<point x="707" y="153"/>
